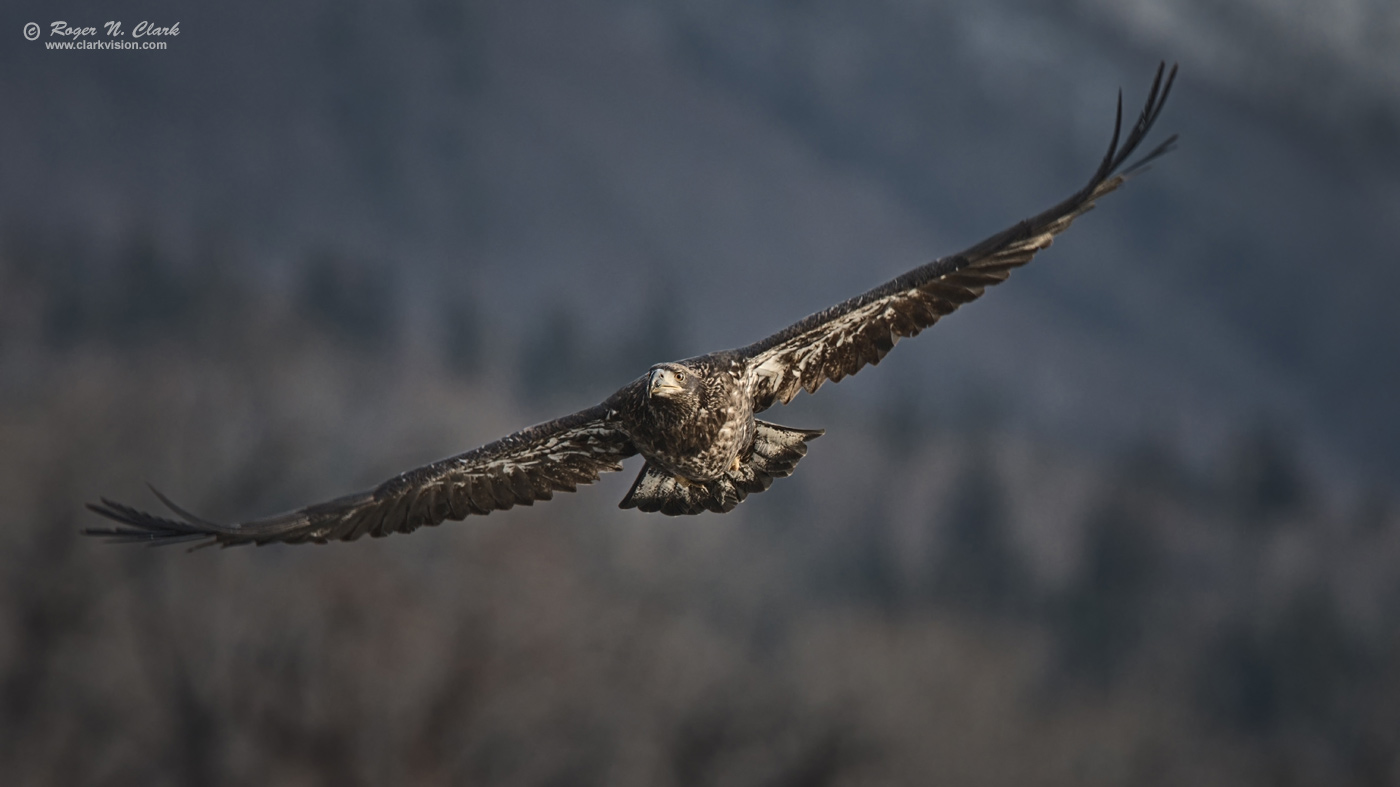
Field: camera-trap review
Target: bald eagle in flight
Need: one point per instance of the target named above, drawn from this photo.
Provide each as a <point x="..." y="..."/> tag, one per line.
<point x="692" y="420"/>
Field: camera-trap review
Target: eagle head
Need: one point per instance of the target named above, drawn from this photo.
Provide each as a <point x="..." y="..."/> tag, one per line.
<point x="672" y="381"/>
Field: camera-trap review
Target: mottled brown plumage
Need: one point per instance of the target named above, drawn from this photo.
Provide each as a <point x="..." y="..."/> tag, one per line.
<point x="692" y="420"/>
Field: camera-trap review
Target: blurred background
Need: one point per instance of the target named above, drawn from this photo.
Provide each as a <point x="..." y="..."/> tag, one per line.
<point x="1130" y="519"/>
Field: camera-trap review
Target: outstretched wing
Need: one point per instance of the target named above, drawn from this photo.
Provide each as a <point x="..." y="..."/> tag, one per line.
<point x="838" y="342"/>
<point x="527" y="466"/>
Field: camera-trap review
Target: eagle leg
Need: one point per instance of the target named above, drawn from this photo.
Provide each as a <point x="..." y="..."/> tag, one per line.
<point x="775" y="452"/>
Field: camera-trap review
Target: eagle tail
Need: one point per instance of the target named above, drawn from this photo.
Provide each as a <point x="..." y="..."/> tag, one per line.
<point x="775" y="452"/>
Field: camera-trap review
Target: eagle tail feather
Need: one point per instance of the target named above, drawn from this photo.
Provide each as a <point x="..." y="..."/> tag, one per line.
<point x="775" y="452"/>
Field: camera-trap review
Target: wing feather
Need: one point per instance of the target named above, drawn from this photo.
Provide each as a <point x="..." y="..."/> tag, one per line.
<point x="839" y="341"/>
<point x="527" y="466"/>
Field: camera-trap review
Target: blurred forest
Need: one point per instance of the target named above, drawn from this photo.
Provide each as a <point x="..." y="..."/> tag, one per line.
<point x="1127" y="520"/>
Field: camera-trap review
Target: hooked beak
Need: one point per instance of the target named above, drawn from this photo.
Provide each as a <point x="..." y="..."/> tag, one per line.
<point x="663" y="383"/>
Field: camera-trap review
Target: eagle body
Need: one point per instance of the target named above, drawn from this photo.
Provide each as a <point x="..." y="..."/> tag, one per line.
<point x="693" y="421"/>
<point x="698" y="431"/>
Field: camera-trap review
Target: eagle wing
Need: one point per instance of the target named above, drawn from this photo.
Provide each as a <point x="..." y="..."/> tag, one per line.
<point x="527" y="466"/>
<point x="839" y="341"/>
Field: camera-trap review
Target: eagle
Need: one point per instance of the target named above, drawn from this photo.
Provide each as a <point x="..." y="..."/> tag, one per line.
<point x="693" y="421"/>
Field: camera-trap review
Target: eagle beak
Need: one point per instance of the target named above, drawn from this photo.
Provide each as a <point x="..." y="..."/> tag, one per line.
<point x="663" y="383"/>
